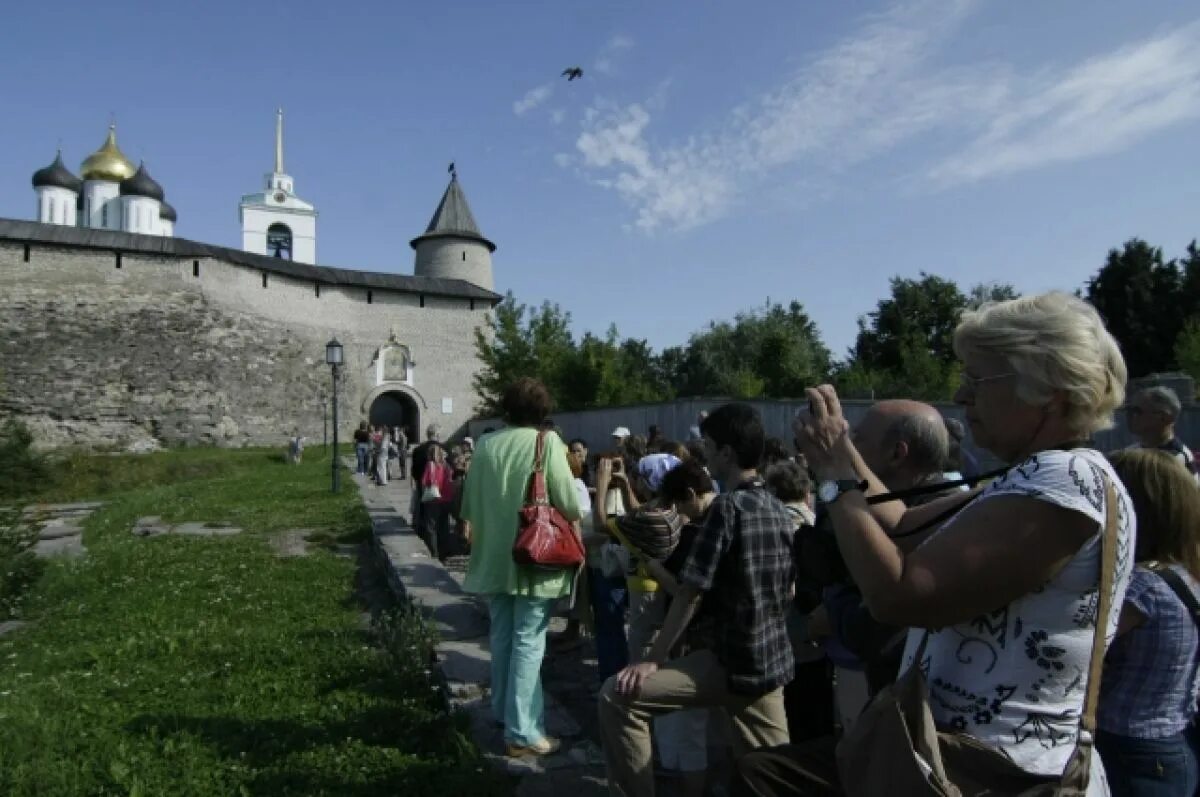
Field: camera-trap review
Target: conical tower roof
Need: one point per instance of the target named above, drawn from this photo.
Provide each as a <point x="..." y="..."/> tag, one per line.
<point x="453" y="219"/>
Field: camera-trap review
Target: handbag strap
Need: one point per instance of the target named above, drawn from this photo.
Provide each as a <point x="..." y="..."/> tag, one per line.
<point x="1108" y="567"/>
<point x="536" y="493"/>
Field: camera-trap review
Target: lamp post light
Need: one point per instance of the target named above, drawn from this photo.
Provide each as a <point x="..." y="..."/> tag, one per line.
<point x="333" y="357"/>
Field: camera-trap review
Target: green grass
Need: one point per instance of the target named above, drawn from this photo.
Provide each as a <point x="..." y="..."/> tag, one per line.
<point x="184" y="666"/>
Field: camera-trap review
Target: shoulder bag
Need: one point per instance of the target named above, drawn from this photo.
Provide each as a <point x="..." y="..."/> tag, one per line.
<point x="544" y="537"/>
<point x="895" y="748"/>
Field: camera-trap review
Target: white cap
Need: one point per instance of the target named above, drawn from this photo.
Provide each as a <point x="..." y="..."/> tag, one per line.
<point x="620" y="431"/>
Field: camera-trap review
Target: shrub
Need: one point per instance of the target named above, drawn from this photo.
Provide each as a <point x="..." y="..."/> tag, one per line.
<point x="22" y="470"/>
<point x="19" y="568"/>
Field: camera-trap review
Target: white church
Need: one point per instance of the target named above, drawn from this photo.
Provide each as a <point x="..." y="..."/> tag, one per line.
<point x="111" y="194"/>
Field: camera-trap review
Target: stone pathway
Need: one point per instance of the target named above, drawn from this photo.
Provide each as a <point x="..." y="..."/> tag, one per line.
<point x="569" y="678"/>
<point x="465" y="662"/>
<point x="59" y="527"/>
<point x="293" y="542"/>
<point x="154" y="526"/>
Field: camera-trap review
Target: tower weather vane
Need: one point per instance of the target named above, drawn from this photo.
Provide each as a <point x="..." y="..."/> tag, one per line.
<point x="452" y="170"/>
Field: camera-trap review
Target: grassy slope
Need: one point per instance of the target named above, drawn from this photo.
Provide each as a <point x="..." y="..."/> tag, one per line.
<point x="209" y="666"/>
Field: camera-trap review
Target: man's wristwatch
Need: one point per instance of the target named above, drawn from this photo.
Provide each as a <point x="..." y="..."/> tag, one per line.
<point x="831" y="490"/>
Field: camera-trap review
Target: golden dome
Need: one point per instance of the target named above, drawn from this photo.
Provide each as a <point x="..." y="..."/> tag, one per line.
<point x="108" y="162"/>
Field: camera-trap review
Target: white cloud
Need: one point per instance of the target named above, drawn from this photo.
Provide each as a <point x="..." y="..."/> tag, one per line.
<point x="533" y="98"/>
<point x="846" y="94"/>
<point x="674" y="187"/>
<point x="878" y="90"/>
<point x="1100" y="106"/>
<point x="558" y="115"/>
<point x="606" y="61"/>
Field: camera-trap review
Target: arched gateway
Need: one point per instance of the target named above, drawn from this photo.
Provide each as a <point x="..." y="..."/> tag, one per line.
<point x="396" y="405"/>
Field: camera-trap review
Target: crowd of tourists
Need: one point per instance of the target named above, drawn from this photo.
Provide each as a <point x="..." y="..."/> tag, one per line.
<point x="437" y="472"/>
<point x="861" y="609"/>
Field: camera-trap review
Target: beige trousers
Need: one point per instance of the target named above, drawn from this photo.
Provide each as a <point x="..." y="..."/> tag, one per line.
<point x="694" y="681"/>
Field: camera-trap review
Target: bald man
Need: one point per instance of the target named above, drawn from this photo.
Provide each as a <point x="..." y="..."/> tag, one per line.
<point x="903" y="442"/>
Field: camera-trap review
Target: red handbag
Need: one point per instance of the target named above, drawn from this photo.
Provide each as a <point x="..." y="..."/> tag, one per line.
<point x="544" y="537"/>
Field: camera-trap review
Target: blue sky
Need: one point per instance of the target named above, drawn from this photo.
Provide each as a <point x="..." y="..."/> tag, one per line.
<point x="713" y="156"/>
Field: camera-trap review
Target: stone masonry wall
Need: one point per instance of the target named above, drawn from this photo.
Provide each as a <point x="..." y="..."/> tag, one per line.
<point x="150" y="354"/>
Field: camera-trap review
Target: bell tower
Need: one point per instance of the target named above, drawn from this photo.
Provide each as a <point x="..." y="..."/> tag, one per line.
<point x="275" y="221"/>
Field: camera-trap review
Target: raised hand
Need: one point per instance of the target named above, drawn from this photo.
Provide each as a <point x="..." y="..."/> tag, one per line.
<point x="822" y="432"/>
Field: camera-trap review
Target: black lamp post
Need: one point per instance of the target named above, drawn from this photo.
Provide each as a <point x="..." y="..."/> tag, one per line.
<point x="333" y="356"/>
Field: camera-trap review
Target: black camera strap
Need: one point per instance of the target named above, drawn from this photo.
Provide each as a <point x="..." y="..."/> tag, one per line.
<point x="969" y="482"/>
<point x="936" y="487"/>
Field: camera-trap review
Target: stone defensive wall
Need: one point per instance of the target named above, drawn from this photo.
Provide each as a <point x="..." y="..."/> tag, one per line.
<point x="111" y="339"/>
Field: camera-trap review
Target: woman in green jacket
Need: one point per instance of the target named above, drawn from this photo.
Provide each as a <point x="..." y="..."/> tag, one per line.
<point x="519" y="598"/>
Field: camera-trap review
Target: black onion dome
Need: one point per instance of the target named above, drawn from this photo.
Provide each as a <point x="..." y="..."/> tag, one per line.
<point x="167" y="212"/>
<point x="141" y="184"/>
<point x="57" y="175"/>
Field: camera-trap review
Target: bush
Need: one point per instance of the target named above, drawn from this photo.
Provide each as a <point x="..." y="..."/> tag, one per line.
<point x="19" y="568"/>
<point x="22" y="471"/>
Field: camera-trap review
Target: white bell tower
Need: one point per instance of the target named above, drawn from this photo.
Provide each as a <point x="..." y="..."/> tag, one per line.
<point x="276" y="222"/>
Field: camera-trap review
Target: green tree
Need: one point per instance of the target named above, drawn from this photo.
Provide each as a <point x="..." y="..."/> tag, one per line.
<point x="774" y="351"/>
<point x="595" y="372"/>
<point x="1187" y="349"/>
<point x="1141" y="298"/>
<point x="905" y="346"/>
<point x="985" y="292"/>
<point x="520" y="342"/>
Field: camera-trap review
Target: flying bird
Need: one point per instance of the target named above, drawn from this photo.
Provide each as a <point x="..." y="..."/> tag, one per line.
<point x="572" y="73"/>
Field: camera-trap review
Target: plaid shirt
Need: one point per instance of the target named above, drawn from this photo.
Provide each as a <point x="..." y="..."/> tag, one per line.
<point x="1150" y="673"/>
<point x="742" y="559"/>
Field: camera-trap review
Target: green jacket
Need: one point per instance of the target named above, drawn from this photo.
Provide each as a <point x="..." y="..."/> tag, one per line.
<point x="493" y="494"/>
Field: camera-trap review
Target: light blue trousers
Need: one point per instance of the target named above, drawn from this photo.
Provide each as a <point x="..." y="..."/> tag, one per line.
<point x="518" y="639"/>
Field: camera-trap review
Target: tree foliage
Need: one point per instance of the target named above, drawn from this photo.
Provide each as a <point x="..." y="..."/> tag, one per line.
<point x="1141" y="298"/>
<point x="774" y="351"/>
<point x="593" y="372"/>
<point x="905" y="346"/>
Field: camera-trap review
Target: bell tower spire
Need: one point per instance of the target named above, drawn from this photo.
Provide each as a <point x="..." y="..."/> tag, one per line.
<point x="279" y="141"/>
<point x="275" y="221"/>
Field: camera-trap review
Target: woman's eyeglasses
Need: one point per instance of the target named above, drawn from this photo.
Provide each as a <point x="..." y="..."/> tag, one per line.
<point x="973" y="382"/>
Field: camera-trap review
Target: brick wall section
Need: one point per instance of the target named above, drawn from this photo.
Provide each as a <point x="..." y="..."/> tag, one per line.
<point x="99" y="356"/>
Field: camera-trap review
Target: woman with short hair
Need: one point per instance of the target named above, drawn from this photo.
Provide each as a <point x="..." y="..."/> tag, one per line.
<point x="519" y="598"/>
<point x="1148" y="699"/>
<point x="1007" y="586"/>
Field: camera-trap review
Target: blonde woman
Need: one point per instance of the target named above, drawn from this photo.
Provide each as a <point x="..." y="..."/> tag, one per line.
<point x="1007" y="587"/>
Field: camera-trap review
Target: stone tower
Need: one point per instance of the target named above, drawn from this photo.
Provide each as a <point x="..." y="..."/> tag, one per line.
<point x="452" y="246"/>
